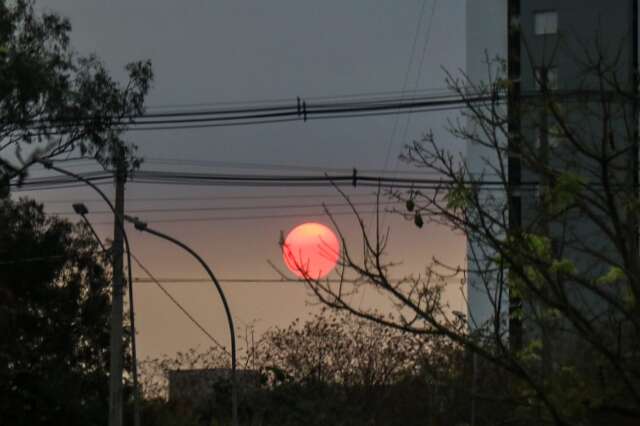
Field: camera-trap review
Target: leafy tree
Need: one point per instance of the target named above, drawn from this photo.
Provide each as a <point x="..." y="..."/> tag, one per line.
<point x="330" y="369"/>
<point x="337" y="369"/>
<point x="332" y="348"/>
<point x="53" y="308"/>
<point x="54" y="316"/>
<point x="563" y="283"/>
<point x="53" y="101"/>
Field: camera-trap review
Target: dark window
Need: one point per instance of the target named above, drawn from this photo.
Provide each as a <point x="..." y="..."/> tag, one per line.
<point x="545" y="23"/>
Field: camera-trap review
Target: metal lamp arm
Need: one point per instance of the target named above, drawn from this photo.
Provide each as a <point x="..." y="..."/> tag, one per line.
<point x="142" y="226"/>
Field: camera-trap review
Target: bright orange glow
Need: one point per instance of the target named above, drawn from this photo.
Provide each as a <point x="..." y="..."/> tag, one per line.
<point x="311" y="250"/>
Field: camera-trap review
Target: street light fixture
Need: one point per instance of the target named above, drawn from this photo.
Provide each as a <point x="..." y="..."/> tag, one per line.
<point x="82" y="210"/>
<point x="144" y="227"/>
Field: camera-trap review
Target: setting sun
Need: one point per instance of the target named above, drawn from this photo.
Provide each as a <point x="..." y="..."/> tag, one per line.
<point x="311" y="250"/>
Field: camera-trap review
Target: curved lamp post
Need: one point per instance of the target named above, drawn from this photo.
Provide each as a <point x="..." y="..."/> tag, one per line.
<point x="142" y="226"/>
<point x="82" y="211"/>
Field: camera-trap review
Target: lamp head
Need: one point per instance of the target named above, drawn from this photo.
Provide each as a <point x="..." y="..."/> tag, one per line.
<point x="80" y="209"/>
<point x="137" y="223"/>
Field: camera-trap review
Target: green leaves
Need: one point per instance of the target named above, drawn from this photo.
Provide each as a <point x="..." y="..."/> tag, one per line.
<point x="563" y="266"/>
<point x="504" y="84"/>
<point x="531" y="352"/>
<point x="613" y="275"/>
<point x="538" y="245"/>
<point x="564" y="192"/>
<point x="459" y="197"/>
<point x="569" y="184"/>
<point x="53" y="96"/>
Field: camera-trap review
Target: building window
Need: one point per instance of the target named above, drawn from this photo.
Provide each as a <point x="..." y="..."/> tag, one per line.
<point x="548" y="74"/>
<point x="545" y="23"/>
<point x="555" y="137"/>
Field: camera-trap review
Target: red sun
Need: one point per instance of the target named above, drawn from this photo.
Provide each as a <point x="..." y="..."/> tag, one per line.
<point x="311" y="250"/>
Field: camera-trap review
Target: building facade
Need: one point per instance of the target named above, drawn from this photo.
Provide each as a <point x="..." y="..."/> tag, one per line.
<point x="568" y="47"/>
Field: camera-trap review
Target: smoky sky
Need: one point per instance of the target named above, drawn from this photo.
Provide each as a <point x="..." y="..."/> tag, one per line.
<point x="208" y="53"/>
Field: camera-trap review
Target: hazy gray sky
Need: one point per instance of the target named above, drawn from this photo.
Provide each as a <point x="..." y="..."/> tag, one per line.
<point x="206" y="52"/>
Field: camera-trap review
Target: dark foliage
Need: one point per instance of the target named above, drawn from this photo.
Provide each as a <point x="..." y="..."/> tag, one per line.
<point x="52" y="101"/>
<point x="54" y="320"/>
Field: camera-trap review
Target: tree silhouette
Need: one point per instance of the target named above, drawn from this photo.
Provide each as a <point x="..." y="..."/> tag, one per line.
<point x="554" y="251"/>
<point x="53" y="101"/>
<point x="54" y="315"/>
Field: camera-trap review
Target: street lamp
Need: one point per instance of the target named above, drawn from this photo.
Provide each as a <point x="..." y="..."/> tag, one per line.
<point x="143" y="227"/>
<point x="82" y="210"/>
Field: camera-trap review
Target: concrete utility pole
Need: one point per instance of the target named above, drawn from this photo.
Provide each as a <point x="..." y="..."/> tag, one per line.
<point x="117" y="358"/>
<point x="474" y="387"/>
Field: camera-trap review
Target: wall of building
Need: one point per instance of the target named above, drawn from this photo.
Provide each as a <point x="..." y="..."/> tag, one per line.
<point x="588" y="31"/>
<point x="486" y="41"/>
<point x="586" y="28"/>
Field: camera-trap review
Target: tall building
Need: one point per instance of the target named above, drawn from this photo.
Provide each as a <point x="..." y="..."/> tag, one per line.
<point x="486" y="38"/>
<point x="550" y="45"/>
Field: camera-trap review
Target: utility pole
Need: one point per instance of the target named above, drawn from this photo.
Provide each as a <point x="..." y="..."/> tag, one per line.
<point x="117" y="358"/>
<point x="474" y="387"/>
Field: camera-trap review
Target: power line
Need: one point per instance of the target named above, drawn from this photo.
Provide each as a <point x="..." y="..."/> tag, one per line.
<point x="212" y="198"/>
<point x="251" y="165"/>
<point x="234" y="208"/>
<point x="61" y="180"/>
<point x="406" y="79"/>
<point x="178" y="280"/>
<point x="271" y="166"/>
<point x="210" y="125"/>
<point x="175" y="302"/>
<point x="57" y="186"/>
<point x="396" y="120"/>
<point x="357" y="95"/>
<point x="408" y="116"/>
<point x="283" y="113"/>
<point x="261" y="180"/>
<point x="418" y="75"/>
<point x="258" y="280"/>
<point x="227" y="280"/>
<point x="213" y="118"/>
<point x="354" y="178"/>
<point x="251" y="217"/>
<point x="299" y="108"/>
<point x="308" y="107"/>
<point x="292" y="119"/>
<point x="226" y="183"/>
